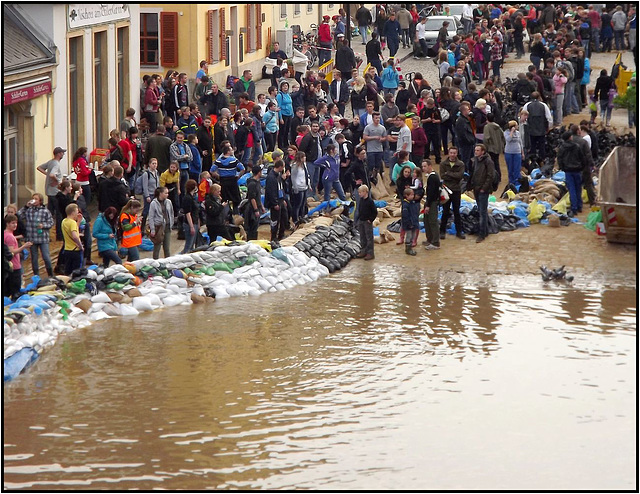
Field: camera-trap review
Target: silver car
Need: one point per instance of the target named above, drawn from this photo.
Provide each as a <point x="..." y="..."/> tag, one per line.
<point x="433" y="25"/>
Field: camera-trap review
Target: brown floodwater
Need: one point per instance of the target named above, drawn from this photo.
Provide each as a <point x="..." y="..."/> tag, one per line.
<point x="377" y="377"/>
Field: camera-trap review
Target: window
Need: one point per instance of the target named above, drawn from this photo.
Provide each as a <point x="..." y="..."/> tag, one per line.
<point x="76" y="92"/>
<point x="122" y="91"/>
<point x="101" y="108"/>
<point x="149" y="39"/>
<point x="283" y="10"/>
<point x="296" y="9"/>
<point x="10" y="158"/>
<point x="331" y="5"/>
<point x="309" y="8"/>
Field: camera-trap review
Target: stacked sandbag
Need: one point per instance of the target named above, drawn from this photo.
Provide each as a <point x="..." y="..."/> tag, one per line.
<point x="222" y="270"/>
<point x="333" y="246"/>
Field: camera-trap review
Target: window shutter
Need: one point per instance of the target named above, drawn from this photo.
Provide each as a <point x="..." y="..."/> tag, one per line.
<point x="211" y="56"/>
<point x="259" y="27"/>
<point x="169" y="39"/>
<point x="223" y="35"/>
<point x="249" y="10"/>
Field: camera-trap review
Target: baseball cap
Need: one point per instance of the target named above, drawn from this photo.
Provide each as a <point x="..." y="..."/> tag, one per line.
<point x="59" y="150"/>
<point x="326" y="17"/>
<point x="340" y="35"/>
<point x="277" y="154"/>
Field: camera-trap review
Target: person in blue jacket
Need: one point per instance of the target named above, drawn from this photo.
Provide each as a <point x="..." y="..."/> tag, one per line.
<point x="271" y="125"/>
<point x="391" y="31"/>
<point x="331" y="175"/>
<point x="285" y="104"/>
<point x="195" y="165"/>
<point x="105" y="232"/>
<point x="390" y="78"/>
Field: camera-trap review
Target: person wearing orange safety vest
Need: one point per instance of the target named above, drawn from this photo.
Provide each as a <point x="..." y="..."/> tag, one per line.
<point x="131" y="231"/>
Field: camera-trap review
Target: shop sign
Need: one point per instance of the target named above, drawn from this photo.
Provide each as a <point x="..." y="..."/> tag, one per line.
<point x="82" y="14"/>
<point x="25" y="93"/>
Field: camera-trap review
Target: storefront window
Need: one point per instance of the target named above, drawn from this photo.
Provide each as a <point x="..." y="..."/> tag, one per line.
<point x="10" y="158"/>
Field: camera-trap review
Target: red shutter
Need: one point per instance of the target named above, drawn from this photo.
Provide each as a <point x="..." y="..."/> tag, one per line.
<point x="223" y="35"/>
<point x="259" y="27"/>
<point x="169" y="39"/>
<point x="211" y="56"/>
<point x="249" y="24"/>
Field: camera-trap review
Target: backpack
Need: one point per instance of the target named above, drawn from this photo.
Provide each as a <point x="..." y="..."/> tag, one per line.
<point x="444" y="114"/>
<point x="138" y="187"/>
<point x="496" y="180"/>
<point x="116" y="155"/>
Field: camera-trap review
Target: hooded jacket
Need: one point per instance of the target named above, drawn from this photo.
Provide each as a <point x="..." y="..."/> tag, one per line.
<point x="285" y="103"/>
<point x="483" y="171"/>
<point x="570" y="157"/>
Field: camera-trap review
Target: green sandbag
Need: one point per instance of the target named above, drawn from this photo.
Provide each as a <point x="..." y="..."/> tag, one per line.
<point x="222" y="266"/>
<point x="210" y="271"/>
<point x="164" y="273"/>
<point x="115" y="286"/>
<point x="148" y="269"/>
<point x="77" y="286"/>
<point x="593" y="219"/>
<point x="124" y="280"/>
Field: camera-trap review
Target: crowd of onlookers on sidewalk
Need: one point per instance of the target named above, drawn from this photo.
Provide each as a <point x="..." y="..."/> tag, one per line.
<point x="208" y="156"/>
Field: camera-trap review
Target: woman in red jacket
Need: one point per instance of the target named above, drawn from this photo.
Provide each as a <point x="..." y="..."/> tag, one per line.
<point x="82" y="171"/>
<point x="151" y="104"/>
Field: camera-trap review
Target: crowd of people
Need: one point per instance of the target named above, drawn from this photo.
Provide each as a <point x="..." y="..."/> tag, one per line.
<point x="306" y="137"/>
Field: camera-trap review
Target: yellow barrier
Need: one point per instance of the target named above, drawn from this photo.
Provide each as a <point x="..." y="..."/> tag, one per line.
<point x="327" y="68"/>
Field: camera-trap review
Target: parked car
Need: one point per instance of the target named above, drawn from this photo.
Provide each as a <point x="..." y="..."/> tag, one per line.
<point x="433" y="25"/>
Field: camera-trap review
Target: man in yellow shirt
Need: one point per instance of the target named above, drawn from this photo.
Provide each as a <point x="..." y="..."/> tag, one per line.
<point x="73" y="248"/>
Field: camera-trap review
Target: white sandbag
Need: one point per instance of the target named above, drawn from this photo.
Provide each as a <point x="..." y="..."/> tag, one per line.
<point x="198" y="290"/>
<point x="98" y="306"/>
<point x="279" y="287"/>
<point x="142" y="304"/>
<point x="228" y="277"/>
<point x="289" y="284"/>
<point x="264" y="284"/>
<point x="112" y="310"/>
<point x="254" y="292"/>
<point x="220" y="291"/>
<point x="128" y="310"/>
<point x="181" y="282"/>
<point x="101" y="297"/>
<point x="313" y="274"/>
<point x="98" y="316"/>
<point x="172" y="300"/>
<point x="156" y="299"/>
<point x="173" y="287"/>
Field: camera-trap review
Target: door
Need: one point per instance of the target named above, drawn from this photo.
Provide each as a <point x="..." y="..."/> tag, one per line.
<point x="233" y="54"/>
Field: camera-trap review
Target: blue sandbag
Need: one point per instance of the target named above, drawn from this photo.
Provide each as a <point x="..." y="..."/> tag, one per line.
<point x="33" y="285"/>
<point x="18" y="362"/>
<point x="376" y="231"/>
<point x="536" y="173"/>
<point x="452" y="229"/>
<point x="146" y="245"/>
<point x="380" y="204"/>
<point x="523" y="223"/>
<point x="559" y="176"/>
<point x="324" y="205"/>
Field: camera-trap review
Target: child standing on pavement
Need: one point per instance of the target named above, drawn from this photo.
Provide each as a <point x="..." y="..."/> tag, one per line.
<point x="410" y="220"/>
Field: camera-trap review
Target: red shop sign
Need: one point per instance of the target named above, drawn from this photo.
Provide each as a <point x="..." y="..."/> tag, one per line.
<point x="26" y="93"/>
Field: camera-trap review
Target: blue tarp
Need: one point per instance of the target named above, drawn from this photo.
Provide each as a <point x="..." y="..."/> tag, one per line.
<point x="18" y="362"/>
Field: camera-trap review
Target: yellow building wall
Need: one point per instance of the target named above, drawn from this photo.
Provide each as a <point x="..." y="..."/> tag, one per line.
<point x="192" y="40"/>
<point x="43" y="126"/>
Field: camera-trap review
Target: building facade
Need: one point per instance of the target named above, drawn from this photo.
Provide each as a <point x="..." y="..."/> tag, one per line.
<point x="95" y="78"/>
<point x="29" y="75"/>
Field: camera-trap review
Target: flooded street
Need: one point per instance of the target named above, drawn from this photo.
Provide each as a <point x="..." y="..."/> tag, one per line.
<point x="376" y="377"/>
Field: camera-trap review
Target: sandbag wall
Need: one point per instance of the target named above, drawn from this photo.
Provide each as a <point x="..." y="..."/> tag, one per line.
<point x="34" y="321"/>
